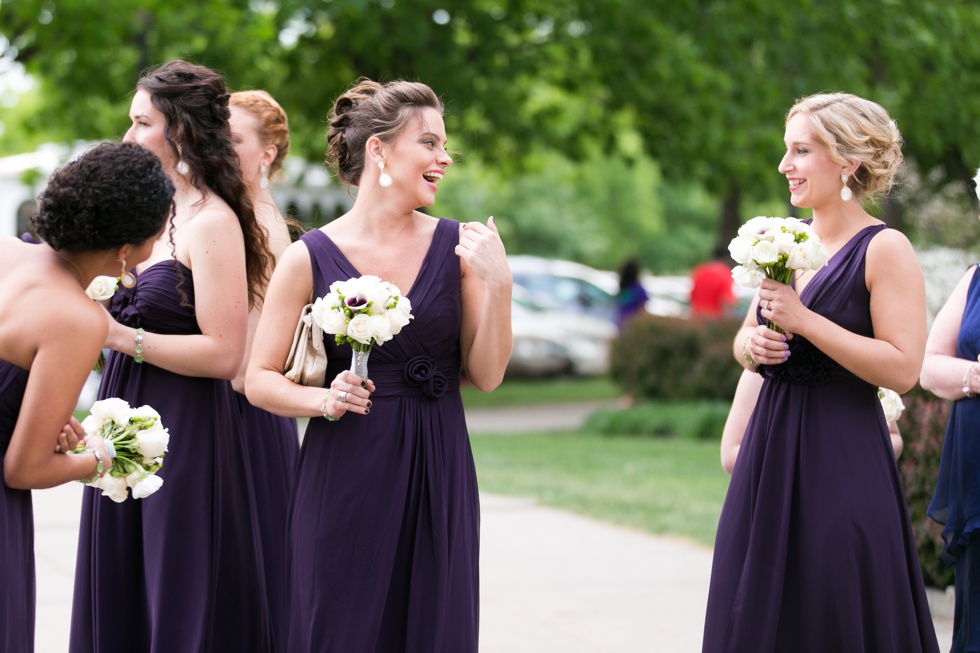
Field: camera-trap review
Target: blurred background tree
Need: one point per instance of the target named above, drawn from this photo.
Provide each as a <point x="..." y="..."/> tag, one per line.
<point x="591" y="129"/>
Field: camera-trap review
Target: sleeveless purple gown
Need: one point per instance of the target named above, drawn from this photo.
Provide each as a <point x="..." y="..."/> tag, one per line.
<point x="16" y="530"/>
<point x="182" y="569"/>
<point x="384" y="517"/>
<point x="273" y="443"/>
<point x="814" y="550"/>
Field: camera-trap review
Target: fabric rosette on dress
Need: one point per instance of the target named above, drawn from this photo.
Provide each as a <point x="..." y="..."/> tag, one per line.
<point x="140" y="442"/>
<point x="773" y="248"/>
<point x="422" y="371"/>
<point x="362" y="312"/>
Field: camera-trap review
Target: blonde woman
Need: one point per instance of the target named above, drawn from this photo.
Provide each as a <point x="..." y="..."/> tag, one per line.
<point x="814" y="550"/>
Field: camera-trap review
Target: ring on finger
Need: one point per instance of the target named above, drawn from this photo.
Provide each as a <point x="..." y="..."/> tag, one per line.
<point x="768" y="305"/>
<point x="342" y="396"/>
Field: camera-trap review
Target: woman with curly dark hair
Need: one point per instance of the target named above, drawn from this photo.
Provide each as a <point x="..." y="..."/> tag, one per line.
<point x="183" y="570"/>
<point x="97" y="214"/>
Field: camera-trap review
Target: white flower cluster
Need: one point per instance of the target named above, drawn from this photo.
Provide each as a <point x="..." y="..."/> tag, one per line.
<point x="102" y="288"/>
<point x="140" y="441"/>
<point x="772" y="248"/>
<point x="891" y="403"/>
<point x="364" y="310"/>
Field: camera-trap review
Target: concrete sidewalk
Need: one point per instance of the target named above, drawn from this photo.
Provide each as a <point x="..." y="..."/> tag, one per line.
<point x="551" y="581"/>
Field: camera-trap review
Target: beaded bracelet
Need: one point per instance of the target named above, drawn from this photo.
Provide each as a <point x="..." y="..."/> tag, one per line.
<point x="139" y="345"/>
<point x="745" y="353"/>
<point x="323" y="408"/>
<point x="966" y="384"/>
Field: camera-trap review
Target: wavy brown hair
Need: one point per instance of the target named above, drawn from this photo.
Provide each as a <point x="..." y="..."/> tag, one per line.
<point x="194" y="100"/>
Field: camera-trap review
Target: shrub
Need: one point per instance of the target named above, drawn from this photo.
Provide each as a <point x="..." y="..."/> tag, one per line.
<point x="692" y="420"/>
<point x="923" y="426"/>
<point x="663" y="358"/>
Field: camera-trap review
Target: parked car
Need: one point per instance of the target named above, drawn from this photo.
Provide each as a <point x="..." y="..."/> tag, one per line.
<point x="567" y="286"/>
<point x="548" y="343"/>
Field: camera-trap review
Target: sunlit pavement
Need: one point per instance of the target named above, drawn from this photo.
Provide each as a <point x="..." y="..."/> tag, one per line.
<point x="550" y="581"/>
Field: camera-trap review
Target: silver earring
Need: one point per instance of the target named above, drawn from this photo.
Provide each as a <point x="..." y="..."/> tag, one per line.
<point x="845" y="192"/>
<point x="182" y="167"/>
<point x="264" y="179"/>
<point x="384" y="179"/>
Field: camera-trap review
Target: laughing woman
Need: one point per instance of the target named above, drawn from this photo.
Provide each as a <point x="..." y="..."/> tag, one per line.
<point x="384" y="516"/>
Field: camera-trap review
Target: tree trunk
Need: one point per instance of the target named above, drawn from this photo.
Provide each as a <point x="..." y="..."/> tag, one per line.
<point x="731" y="218"/>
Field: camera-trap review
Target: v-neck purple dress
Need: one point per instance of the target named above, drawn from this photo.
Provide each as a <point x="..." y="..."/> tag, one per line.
<point x="384" y="517"/>
<point x="814" y="550"/>
<point x="16" y="530"/>
<point x="181" y="570"/>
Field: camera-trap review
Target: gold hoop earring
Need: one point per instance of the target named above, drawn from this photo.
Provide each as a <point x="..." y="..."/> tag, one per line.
<point x="126" y="277"/>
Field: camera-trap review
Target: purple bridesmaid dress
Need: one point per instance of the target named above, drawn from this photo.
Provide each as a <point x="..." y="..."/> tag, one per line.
<point x="384" y="517"/>
<point x="814" y="551"/>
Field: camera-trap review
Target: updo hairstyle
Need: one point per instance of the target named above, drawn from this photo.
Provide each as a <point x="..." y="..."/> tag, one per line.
<point x="272" y="122"/>
<point x="855" y="129"/>
<point x="369" y="109"/>
<point x="114" y="194"/>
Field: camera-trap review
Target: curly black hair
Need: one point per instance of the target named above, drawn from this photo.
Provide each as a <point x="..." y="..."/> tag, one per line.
<point x="114" y="194"/>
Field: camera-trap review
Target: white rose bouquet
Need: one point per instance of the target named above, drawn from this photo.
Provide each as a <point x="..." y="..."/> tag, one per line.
<point x="362" y="312"/>
<point x="891" y="403"/>
<point x="101" y="289"/>
<point x="772" y="248"/>
<point x="140" y="441"/>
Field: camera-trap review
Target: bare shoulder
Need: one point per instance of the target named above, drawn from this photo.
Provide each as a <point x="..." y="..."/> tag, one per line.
<point x="890" y="247"/>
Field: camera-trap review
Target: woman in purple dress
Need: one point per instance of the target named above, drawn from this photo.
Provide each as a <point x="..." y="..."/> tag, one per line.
<point x="261" y="132"/>
<point x="384" y="517"/>
<point x="182" y="570"/>
<point x="814" y="550"/>
<point x="96" y="213"/>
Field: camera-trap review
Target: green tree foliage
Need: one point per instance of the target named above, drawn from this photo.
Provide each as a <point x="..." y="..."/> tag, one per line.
<point x="700" y="86"/>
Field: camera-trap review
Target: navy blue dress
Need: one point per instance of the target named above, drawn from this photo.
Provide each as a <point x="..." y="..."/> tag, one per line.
<point x="956" y="502"/>
<point x="181" y="570"/>
<point x="814" y="551"/>
<point x="384" y="518"/>
<point x="16" y="530"/>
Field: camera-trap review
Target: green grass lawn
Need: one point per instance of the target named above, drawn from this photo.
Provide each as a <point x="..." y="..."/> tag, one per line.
<point x="527" y="392"/>
<point x="668" y="486"/>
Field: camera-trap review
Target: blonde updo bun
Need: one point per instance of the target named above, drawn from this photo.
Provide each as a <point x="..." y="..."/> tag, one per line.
<point x="855" y="130"/>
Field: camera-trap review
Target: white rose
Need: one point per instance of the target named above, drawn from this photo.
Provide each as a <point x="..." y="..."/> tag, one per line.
<point x="741" y="249"/>
<point x="746" y="277"/>
<point x="328" y="316"/>
<point x="765" y="252"/>
<point x="818" y="253"/>
<point x="113" y="487"/>
<point x="783" y="240"/>
<point x="92" y="424"/>
<point x="891" y="404"/>
<point x="755" y="227"/>
<point x="380" y="297"/>
<point x="147" y="485"/>
<point x="152" y="442"/>
<point x="112" y="408"/>
<point x="380" y="328"/>
<point x="102" y="288"/>
<point x="799" y="257"/>
<point x="359" y="329"/>
<point x="397" y="319"/>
